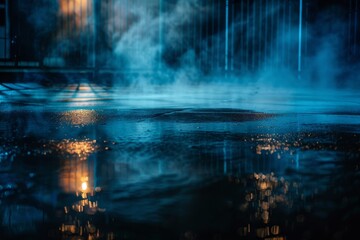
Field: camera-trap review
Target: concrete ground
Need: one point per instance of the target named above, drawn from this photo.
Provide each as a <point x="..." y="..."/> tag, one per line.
<point x="178" y="162"/>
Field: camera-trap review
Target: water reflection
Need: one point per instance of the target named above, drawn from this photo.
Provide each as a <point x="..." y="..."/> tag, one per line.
<point x="264" y="197"/>
<point x="77" y="178"/>
<point x="80" y="117"/>
<point x="81" y="149"/>
<point x="147" y="177"/>
<point x="78" y="221"/>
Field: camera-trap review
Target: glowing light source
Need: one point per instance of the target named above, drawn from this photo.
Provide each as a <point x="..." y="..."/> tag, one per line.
<point x="78" y="10"/>
<point x="84" y="186"/>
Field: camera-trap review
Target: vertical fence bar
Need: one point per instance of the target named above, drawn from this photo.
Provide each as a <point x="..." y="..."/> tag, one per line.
<point x="200" y="37"/>
<point x="126" y="14"/>
<point x="81" y="31"/>
<point x="349" y="28"/>
<point x="212" y="36"/>
<point x="283" y="34"/>
<point x="7" y="31"/>
<point x="253" y="34"/>
<point x="247" y="33"/>
<point x="242" y="35"/>
<point x="355" y="27"/>
<point x="300" y="36"/>
<point x="271" y="33"/>
<point x="306" y="33"/>
<point x="218" y="39"/>
<point x="266" y="33"/>
<point x="260" y="50"/>
<point x="289" y="35"/>
<point x="226" y="35"/>
<point x="232" y="34"/>
<point x="160" y="32"/>
<point x="88" y="27"/>
<point x="95" y="31"/>
<point x="75" y="32"/>
<point x="278" y="56"/>
<point x="278" y="31"/>
<point x="194" y="35"/>
<point x="206" y="38"/>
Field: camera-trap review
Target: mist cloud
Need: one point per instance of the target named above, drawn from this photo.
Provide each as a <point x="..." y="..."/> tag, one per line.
<point x="177" y="53"/>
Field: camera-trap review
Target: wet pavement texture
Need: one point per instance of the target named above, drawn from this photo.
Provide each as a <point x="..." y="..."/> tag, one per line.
<point x="86" y="162"/>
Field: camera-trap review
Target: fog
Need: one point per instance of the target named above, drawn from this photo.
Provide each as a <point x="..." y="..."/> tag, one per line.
<point x="184" y="44"/>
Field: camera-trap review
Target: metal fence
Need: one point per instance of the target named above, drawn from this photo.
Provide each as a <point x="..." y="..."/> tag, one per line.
<point x="4" y="30"/>
<point x="221" y="35"/>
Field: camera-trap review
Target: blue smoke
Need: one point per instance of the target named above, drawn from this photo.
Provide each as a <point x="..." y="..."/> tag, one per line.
<point x="196" y="42"/>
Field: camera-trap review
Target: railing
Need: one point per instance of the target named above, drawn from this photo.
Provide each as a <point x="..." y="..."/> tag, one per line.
<point x="124" y="35"/>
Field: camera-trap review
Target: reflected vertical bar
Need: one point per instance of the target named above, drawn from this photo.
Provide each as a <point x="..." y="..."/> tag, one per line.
<point x="160" y="167"/>
<point x="297" y="160"/>
<point x="300" y="37"/>
<point x="226" y="34"/>
<point x="298" y="131"/>
<point x="95" y="171"/>
<point x="225" y="157"/>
